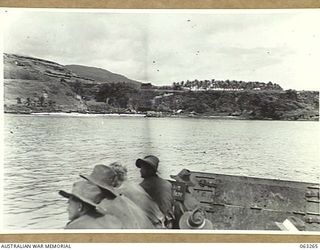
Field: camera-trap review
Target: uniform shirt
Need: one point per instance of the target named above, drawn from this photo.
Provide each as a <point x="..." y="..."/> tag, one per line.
<point x="160" y="191"/>
<point x="126" y="211"/>
<point x="141" y="198"/>
<point x="89" y="221"/>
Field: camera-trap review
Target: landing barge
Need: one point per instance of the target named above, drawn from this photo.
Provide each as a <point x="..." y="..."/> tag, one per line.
<point x="247" y="203"/>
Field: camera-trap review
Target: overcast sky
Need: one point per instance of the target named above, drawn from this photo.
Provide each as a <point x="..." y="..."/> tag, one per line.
<point x="278" y="46"/>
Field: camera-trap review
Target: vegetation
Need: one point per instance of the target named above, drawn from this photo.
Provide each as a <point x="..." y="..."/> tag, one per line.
<point x="226" y="85"/>
<point x="35" y="85"/>
<point x="115" y="94"/>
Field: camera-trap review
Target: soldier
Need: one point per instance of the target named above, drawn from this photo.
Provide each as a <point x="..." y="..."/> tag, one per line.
<point x="138" y="195"/>
<point x="189" y="203"/>
<point x="118" y="205"/>
<point x="158" y="188"/>
<point x="82" y="202"/>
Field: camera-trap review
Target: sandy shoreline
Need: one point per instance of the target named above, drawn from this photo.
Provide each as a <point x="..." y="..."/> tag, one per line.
<point x="76" y="114"/>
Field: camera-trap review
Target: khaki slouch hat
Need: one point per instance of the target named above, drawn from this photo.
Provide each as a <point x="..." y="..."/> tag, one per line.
<point x="84" y="191"/>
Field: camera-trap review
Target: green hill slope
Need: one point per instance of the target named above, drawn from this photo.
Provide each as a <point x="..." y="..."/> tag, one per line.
<point x="37" y="85"/>
<point x="99" y="75"/>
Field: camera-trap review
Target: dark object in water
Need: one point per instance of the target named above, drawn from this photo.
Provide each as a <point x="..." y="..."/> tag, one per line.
<point x="247" y="203"/>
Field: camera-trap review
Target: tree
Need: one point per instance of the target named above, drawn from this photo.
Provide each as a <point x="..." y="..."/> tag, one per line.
<point x="41" y="100"/>
<point x="51" y="103"/>
<point x="269" y="110"/>
<point x="177" y="86"/>
<point x="18" y="100"/>
<point x="28" y="102"/>
<point x="292" y="94"/>
<point x="118" y="94"/>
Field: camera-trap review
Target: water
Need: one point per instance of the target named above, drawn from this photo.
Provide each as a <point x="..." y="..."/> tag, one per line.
<point x="44" y="154"/>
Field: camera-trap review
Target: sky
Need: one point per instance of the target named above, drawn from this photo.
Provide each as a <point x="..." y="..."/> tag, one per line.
<point x="162" y="47"/>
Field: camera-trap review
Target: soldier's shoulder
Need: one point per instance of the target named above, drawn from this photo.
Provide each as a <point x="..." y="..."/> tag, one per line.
<point x="101" y="222"/>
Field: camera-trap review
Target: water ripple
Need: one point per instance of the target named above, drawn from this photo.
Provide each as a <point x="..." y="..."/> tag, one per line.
<point x="47" y="154"/>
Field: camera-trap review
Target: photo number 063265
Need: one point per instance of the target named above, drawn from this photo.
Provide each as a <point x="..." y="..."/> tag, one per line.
<point x="309" y="246"/>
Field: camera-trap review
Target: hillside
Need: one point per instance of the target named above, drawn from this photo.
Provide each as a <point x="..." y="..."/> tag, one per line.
<point x="99" y="75"/>
<point x="275" y="105"/>
<point x="28" y="68"/>
<point x="37" y="85"/>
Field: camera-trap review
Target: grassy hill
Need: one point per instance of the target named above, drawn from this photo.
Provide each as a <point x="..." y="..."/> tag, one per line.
<point x="25" y="96"/>
<point x="99" y="75"/>
<point x="28" y="68"/>
<point x="37" y="85"/>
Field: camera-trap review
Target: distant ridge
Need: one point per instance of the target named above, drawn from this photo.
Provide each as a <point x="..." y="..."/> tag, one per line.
<point x="99" y="75"/>
<point x="37" y="85"/>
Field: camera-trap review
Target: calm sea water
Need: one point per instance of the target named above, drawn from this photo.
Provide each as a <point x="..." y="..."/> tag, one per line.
<point x="44" y="154"/>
